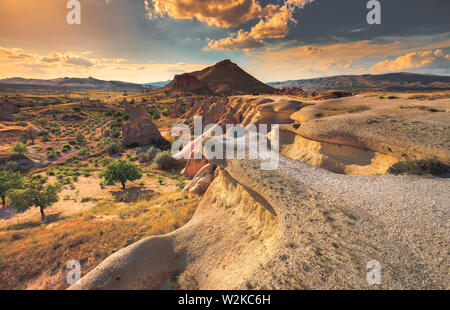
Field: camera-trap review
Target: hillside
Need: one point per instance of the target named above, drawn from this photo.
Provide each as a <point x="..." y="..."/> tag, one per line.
<point x="224" y="78"/>
<point x="382" y="82"/>
<point x="70" y="84"/>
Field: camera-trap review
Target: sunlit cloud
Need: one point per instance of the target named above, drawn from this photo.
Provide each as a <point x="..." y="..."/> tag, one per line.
<point x="416" y="60"/>
<point x="16" y="62"/>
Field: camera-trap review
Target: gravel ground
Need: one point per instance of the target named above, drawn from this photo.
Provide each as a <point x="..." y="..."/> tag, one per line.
<point x="333" y="225"/>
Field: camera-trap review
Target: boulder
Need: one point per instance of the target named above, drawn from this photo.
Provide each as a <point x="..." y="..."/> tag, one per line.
<point x="139" y="129"/>
<point x="7" y="110"/>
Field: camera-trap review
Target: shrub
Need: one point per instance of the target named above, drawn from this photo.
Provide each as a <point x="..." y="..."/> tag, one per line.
<point x="80" y="138"/>
<point x="52" y="154"/>
<point x="11" y="166"/>
<point x="112" y="146"/>
<point x="162" y="143"/>
<point x="84" y="152"/>
<point x="164" y="161"/>
<point x="66" y="148"/>
<point x="147" y="156"/>
<point x="115" y="133"/>
<point x="419" y="167"/>
<point x="19" y="148"/>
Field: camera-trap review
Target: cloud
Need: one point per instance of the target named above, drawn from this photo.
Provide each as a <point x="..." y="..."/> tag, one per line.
<point x="288" y="60"/>
<point x="273" y="21"/>
<point x="417" y="60"/>
<point x="242" y="41"/>
<point x="19" y="62"/>
<point x="275" y="26"/>
<point x="218" y="13"/>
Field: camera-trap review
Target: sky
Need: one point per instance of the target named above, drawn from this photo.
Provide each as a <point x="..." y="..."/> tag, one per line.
<point x="152" y="40"/>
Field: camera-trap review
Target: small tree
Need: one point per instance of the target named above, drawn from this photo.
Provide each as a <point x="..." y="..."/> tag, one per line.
<point x="80" y="138"/>
<point x="28" y="134"/>
<point x="19" y="148"/>
<point x="121" y="171"/>
<point x="9" y="180"/>
<point x="35" y="194"/>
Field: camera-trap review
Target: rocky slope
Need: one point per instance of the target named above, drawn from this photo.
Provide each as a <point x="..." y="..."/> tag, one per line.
<point x="298" y="227"/>
<point x="366" y="135"/>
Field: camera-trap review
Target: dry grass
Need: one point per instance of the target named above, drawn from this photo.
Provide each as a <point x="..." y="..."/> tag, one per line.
<point x="36" y="253"/>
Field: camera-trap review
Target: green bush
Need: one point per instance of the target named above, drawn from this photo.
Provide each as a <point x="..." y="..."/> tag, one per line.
<point x="80" y="138"/>
<point x="19" y="148"/>
<point x="419" y="167"/>
<point x="52" y="155"/>
<point x="11" y="166"/>
<point x="112" y="146"/>
<point x="66" y="148"/>
<point x="164" y="161"/>
<point x="84" y="152"/>
<point x="162" y="144"/>
<point x="147" y="156"/>
<point x="115" y="133"/>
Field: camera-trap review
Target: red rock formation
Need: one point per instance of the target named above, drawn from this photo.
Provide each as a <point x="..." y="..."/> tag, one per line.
<point x="139" y="129"/>
<point x="224" y="79"/>
<point x="293" y="91"/>
<point x="188" y="83"/>
<point x="7" y="110"/>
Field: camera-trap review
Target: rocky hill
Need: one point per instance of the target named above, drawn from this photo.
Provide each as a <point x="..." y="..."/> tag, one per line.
<point x="383" y="82"/>
<point x="68" y="83"/>
<point x="224" y="78"/>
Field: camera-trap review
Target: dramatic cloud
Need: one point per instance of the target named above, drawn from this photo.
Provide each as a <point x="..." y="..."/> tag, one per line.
<point x="273" y="19"/>
<point x="416" y="60"/>
<point x="243" y="41"/>
<point x="290" y="61"/>
<point x="275" y="26"/>
<point x="218" y="13"/>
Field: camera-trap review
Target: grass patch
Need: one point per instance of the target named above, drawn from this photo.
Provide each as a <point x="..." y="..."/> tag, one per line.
<point x="419" y="167"/>
<point x="41" y="251"/>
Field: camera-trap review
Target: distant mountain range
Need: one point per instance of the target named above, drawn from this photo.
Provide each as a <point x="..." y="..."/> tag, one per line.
<point x="383" y="82"/>
<point x="71" y="84"/>
<point x="157" y="84"/>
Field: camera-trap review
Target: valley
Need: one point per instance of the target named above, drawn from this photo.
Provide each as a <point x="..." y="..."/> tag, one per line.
<point x="362" y="175"/>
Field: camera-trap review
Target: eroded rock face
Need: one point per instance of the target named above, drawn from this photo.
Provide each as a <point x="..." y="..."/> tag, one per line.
<point x="188" y="83"/>
<point x="139" y="129"/>
<point x="293" y="91"/>
<point x="286" y="228"/>
<point x="202" y="180"/>
<point x="193" y="166"/>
